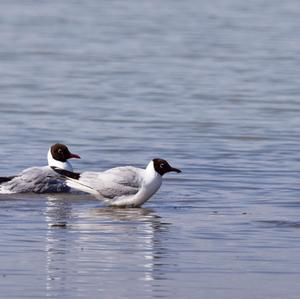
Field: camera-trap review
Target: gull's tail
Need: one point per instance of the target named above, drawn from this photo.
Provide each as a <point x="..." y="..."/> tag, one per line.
<point x="72" y="180"/>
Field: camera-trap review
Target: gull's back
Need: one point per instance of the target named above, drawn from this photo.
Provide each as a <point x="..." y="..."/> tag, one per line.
<point x="34" y="179"/>
<point x="115" y="182"/>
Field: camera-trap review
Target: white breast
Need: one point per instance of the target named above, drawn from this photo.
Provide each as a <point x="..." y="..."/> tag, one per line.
<point x="151" y="183"/>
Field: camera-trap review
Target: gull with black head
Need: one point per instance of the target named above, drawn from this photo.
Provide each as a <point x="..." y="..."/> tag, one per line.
<point x="41" y="179"/>
<point x="125" y="186"/>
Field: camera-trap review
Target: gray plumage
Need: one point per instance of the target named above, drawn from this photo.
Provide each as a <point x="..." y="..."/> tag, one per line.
<point x="120" y="186"/>
<point x="115" y="182"/>
<point x="35" y="179"/>
<point x="41" y="179"/>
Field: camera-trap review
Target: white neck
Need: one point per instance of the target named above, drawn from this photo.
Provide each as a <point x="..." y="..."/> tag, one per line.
<point x="151" y="183"/>
<point x="63" y="165"/>
<point x="150" y="172"/>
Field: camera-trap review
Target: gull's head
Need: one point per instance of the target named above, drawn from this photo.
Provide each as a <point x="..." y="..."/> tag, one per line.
<point x="58" y="156"/>
<point x="61" y="153"/>
<point x="161" y="166"/>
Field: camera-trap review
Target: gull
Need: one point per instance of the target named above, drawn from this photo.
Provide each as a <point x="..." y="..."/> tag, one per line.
<point x="125" y="186"/>
<point x="41" y="179"/>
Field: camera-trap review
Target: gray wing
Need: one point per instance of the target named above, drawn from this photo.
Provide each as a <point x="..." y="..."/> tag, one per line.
<point x="35" y="179"/>
<point x="115" y="182"/>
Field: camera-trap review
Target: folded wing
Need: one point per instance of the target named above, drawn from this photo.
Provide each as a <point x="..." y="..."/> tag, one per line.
<point x="108" y="185"/>
<point x="34" y="179"/>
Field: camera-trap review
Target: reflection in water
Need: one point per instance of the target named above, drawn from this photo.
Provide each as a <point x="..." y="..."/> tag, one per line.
<point x="140" y="227"/>
<point x="58" y="212"/>
<point x="124" y="243"/>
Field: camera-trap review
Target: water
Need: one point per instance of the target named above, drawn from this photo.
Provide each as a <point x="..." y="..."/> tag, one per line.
<point x="213" y="88"/>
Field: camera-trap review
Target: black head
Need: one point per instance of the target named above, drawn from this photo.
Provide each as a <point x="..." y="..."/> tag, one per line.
<point x="61" y="153"/>
<point x="162" y="166"/>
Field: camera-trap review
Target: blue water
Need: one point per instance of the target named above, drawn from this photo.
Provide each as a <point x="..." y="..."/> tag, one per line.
<point x="213" y="88"/>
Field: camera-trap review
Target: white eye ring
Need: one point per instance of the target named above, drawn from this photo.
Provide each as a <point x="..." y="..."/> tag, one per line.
<point x="161" y="165"/>
<point x="59" y="150"/>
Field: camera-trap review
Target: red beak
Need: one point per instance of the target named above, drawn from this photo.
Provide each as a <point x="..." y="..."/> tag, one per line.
<point x="74" y="156"/>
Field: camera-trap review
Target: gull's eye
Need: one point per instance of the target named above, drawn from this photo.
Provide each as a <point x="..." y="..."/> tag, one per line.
<point x="161" y="165"/>
<point x="59" y="150"/>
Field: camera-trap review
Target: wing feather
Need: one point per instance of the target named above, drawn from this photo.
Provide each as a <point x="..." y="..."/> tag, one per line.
<point x="115" y="182"/>
<point x="34" y="179"/>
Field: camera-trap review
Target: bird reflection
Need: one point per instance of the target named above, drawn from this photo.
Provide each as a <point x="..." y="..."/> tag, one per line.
<point x="100" y="240"/>
<point x="59" y="211"/>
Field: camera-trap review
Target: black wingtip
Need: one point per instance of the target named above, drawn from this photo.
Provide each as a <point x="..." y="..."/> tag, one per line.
<point x="66" y="173"/>
<point x="5" y="179"/>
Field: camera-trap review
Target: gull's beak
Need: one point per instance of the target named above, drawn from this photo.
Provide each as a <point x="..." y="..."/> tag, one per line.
<point x="175" y="169"/>
<point x="74" y="156"/>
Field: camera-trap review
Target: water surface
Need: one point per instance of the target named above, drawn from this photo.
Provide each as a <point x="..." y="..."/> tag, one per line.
<point x="211" y="87"/>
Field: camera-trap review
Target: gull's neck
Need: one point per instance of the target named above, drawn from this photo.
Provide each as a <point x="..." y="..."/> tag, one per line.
<point x="63" y="165"/>
<point x="152" y="182"/>
<point x="150" y="173"/>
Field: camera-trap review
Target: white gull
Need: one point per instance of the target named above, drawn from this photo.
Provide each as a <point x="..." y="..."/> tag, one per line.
<point x="120" y="186"/>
